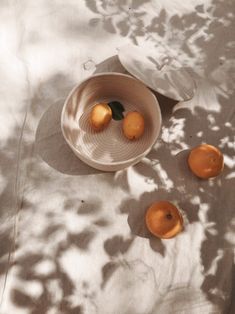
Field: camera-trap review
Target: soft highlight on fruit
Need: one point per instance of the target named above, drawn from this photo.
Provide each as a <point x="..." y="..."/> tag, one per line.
<point x="206" y="161"/>
<point x="164" y="220"/>
<point x="133" y="125"/>
<point x="100" y="116"/>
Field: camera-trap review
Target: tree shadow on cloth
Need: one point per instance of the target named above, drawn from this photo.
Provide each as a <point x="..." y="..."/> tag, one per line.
<point x="208" y="202"/>
<point x="168" y="170"/>
<point x="57" y="281"/>
<point x="196" y="35"/>
<point x="56" y="288"/>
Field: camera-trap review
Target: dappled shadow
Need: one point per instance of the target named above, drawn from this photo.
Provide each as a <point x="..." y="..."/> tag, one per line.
<point x="10" y="191"/>
<point x="8" y="161"/>
<point x="9" y="206"/>
<point x="107" y="271"/>
<point x="56" y="225"/>
<point x="205" y="201"/>
<point x="131" y="23"/>
<point x="35" y="287"/>
<point x="158" y="71"/>
<point x="225" y="260"/>
<point x="231" y="304"/>
<point x="193" y="37"/>
<point x="7" y="246"/>
<point x="82" y="239"/>
<point x="42" y="280"/>
<point x="117" y="245"/>
<point x="202" y="202"/>
<point x="57" y="280"/>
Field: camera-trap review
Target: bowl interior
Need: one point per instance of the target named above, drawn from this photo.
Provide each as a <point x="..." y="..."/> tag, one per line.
<point x="110" y="145"/>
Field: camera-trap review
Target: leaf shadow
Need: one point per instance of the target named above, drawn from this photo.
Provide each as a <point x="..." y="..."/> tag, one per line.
<point x="117" y="245"/>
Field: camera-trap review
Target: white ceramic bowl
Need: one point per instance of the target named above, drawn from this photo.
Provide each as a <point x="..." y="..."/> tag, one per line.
<point x="109" y="150"/>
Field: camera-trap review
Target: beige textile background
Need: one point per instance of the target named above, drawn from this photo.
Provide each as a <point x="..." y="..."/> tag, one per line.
<point x="73" y="239"/>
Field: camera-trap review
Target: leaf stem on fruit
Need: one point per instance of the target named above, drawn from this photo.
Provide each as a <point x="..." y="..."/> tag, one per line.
<point x="117" y="110"/>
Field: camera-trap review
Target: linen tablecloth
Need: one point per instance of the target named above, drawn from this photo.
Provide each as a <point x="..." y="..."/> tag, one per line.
<point x="73" y="239"/>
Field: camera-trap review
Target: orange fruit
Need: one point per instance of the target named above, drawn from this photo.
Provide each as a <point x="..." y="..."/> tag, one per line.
<point x="206" y="161"/>
<point x="164" y="220"/>
<point x="133" y="125"/>
<point x="100" y="116"/>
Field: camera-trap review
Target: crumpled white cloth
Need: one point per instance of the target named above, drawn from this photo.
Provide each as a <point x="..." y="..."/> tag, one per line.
<point x="73" y="239"/>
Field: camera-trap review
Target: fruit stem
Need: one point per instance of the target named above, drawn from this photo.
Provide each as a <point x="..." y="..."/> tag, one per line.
<point x="169" y="216"/>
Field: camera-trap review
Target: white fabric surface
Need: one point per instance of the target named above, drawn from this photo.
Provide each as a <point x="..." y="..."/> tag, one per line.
<point x="73" y="239"/>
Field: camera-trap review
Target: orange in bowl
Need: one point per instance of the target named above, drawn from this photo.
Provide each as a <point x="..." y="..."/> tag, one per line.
<point x="133" y="125"/>
<point x="164" y="220"/>
<point x="100" y="116"/>
<point x="206" y="161"/>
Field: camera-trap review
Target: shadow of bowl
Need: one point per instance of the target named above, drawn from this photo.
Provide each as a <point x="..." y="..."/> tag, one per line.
<point x="52" y="148"/>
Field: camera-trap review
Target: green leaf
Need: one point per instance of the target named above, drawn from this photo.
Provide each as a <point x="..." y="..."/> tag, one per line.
<point x="117" y="110"/>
